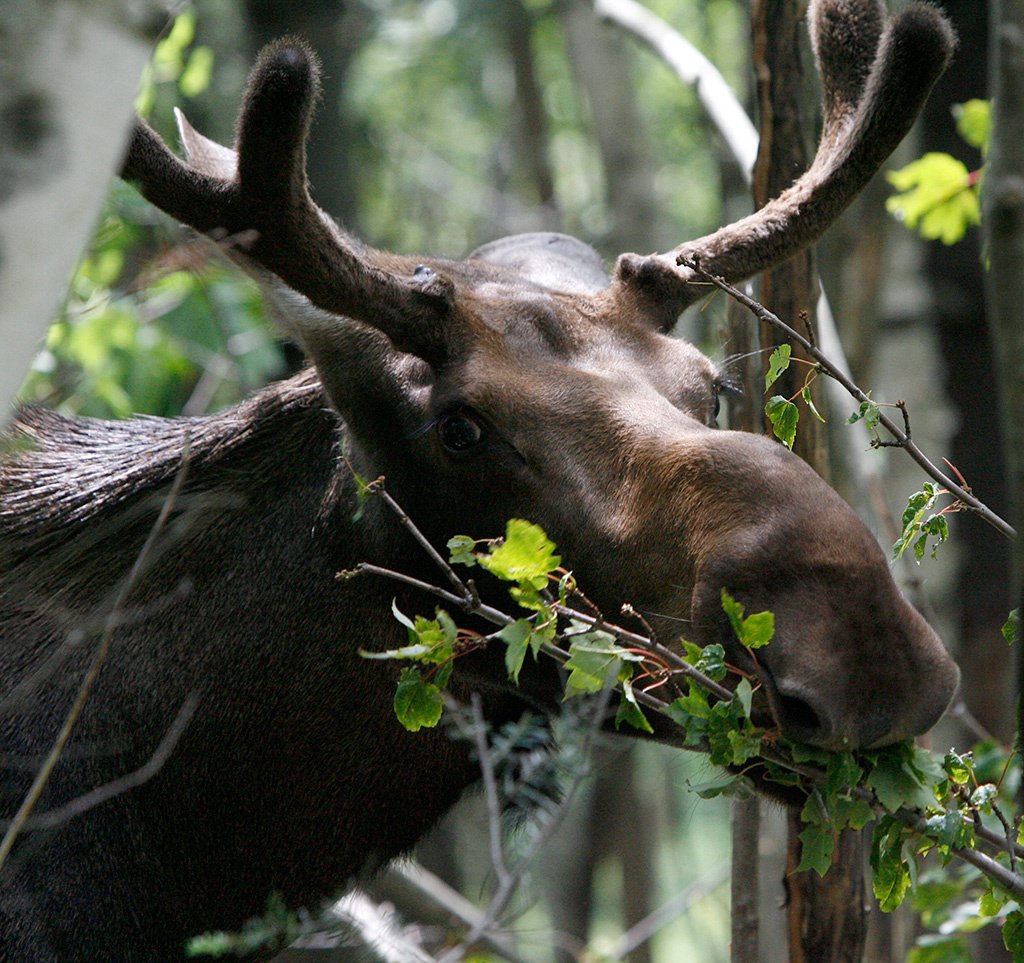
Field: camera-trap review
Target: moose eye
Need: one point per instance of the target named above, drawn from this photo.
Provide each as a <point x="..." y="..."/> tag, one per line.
<point x="460" y="432"/>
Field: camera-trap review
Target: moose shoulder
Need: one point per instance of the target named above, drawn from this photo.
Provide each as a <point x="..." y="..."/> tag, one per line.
<point x="518" y="382"/>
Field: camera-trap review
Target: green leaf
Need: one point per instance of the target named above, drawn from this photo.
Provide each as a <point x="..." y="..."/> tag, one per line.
<point x="418" y="704"/>
<point x="693" y="705"/>
<point x="712" y="662"/>
<point x="1011" y="628"/>
<point x="195" y="78"/>
<point x="460" y="550"/>
<point x="895" y="783"/>
<point x="744" y="693"/>
<point x="754" y="631"/>
<point x="1013" y="935"/>
<point x="916" y="528"/>
<point x="983" y="797"/>
<point x="891" y="871"/>
<point x="817" y="842"/>
<point x="958" y="768"/>
<point x="591" y="663"/>
<point x="777" y="364"/>
<point x="993" y="899"/>
<point x="517" y="639"/>
<point x="805" y="393"/>
<point x="974" y="123"/>
<point x="406" y="652"/>
<point x="744" y="744"/>
<point x="937" y="199"/>
<point x="629" y="711"/>
<point x="784" y="417"/>
<point x="404" y="619"/>
<point x="869" y="412"/>
<point x="730" y="784"/>
<point x="843" y="772"/>
<point x="526" y="555"/>
<point x="950" y="830"/>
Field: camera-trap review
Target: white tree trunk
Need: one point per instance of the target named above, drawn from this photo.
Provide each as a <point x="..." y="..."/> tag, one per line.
<point x="68" y="74"/>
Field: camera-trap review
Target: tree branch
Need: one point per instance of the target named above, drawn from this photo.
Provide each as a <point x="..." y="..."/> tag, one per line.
<point x="970" y="501"/>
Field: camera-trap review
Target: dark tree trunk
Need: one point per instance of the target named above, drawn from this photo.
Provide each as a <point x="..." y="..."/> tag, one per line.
<point x="826" y="915"/>
<point x="956" y="279"/>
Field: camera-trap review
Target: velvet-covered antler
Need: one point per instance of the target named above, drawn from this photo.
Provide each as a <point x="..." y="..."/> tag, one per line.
<point x="256" y="197"/>
<point x="876" y="77"/>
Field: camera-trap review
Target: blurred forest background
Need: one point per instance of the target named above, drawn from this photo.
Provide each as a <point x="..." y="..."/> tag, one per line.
<point x="448" y="123"/>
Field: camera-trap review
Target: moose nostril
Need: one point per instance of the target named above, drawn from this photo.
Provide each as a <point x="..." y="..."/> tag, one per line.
<point x="800" y="721"/>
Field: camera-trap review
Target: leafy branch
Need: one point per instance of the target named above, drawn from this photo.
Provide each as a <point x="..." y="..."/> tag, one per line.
<point x="870" y="410"/>
<point x="922" y="804"/>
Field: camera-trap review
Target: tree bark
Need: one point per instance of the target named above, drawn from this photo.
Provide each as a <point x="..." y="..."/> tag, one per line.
<point x="791" y="289"/>
<point x="1004" y="223"/>
<point x="68" y="73"/>
<point x="597" y="57"/>
<point x="744" y="889"/>
<point x="826" y="915"/>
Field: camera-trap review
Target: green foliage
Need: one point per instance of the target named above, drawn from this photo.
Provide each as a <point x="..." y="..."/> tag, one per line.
<point x="920" y="522"/>
<point x="974" y="123"/>
<point x="784" y="418"/>
<point x="274" y="930"/>
<point x="175" y="61"/>
<point x="868" y="413"/>
<point x="754" y="631"/>
<point x="777" y="364"/>
<point x="927" y="805"/>
<point x="1013" y="935"/>
<point x="938" y="197"/>
<point x="525" y="557"/>
<point x="418" y="703"/>
<point x="1011" y="627"/>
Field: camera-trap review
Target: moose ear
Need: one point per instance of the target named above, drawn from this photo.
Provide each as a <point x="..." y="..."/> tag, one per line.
<point x="205" y="155"/>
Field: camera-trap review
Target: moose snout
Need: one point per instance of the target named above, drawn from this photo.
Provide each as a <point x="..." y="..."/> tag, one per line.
<point x="868" y="712"/>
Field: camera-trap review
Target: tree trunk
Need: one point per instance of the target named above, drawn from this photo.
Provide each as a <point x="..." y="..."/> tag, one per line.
<point x="68" y="73"/>
<point x="1004" y="221"/>
<point x="826" y="915"/>
<point x="598" y="59"/>
<point x="956" y="278"/>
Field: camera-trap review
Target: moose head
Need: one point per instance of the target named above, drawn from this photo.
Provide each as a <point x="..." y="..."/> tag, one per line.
<point x="519" y="382"/>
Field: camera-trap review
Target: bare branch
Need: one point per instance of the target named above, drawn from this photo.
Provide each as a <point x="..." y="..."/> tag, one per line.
<point x="101" y="794"/>
<point x="35" y="791"/>
<point x="695" y="70"/>
<point x="969" y="500"/>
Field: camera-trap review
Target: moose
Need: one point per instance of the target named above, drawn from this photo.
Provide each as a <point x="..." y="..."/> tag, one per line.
<point x="200" y="553"/>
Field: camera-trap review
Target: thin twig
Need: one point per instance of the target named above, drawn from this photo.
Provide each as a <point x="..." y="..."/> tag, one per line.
<point x="377" y="488"/>
<point x="101" y="794"/>
<point x="969" y="500"/>
<point x="453" y="903"/>
<point x="642" y="931"/>
<point x="505" y="891"/>
<point x="35" y="791"/>
<point x="483" y="754"/>
<point x="471" y="603"/>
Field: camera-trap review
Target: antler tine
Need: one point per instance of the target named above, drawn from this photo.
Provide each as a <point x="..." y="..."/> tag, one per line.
<point x="875" y="82"/>
<point x="258" y="197"/>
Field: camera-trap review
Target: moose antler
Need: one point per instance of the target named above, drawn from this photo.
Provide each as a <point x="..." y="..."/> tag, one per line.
<point x="257" y="197"/>
<point x="876" y="77"/>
